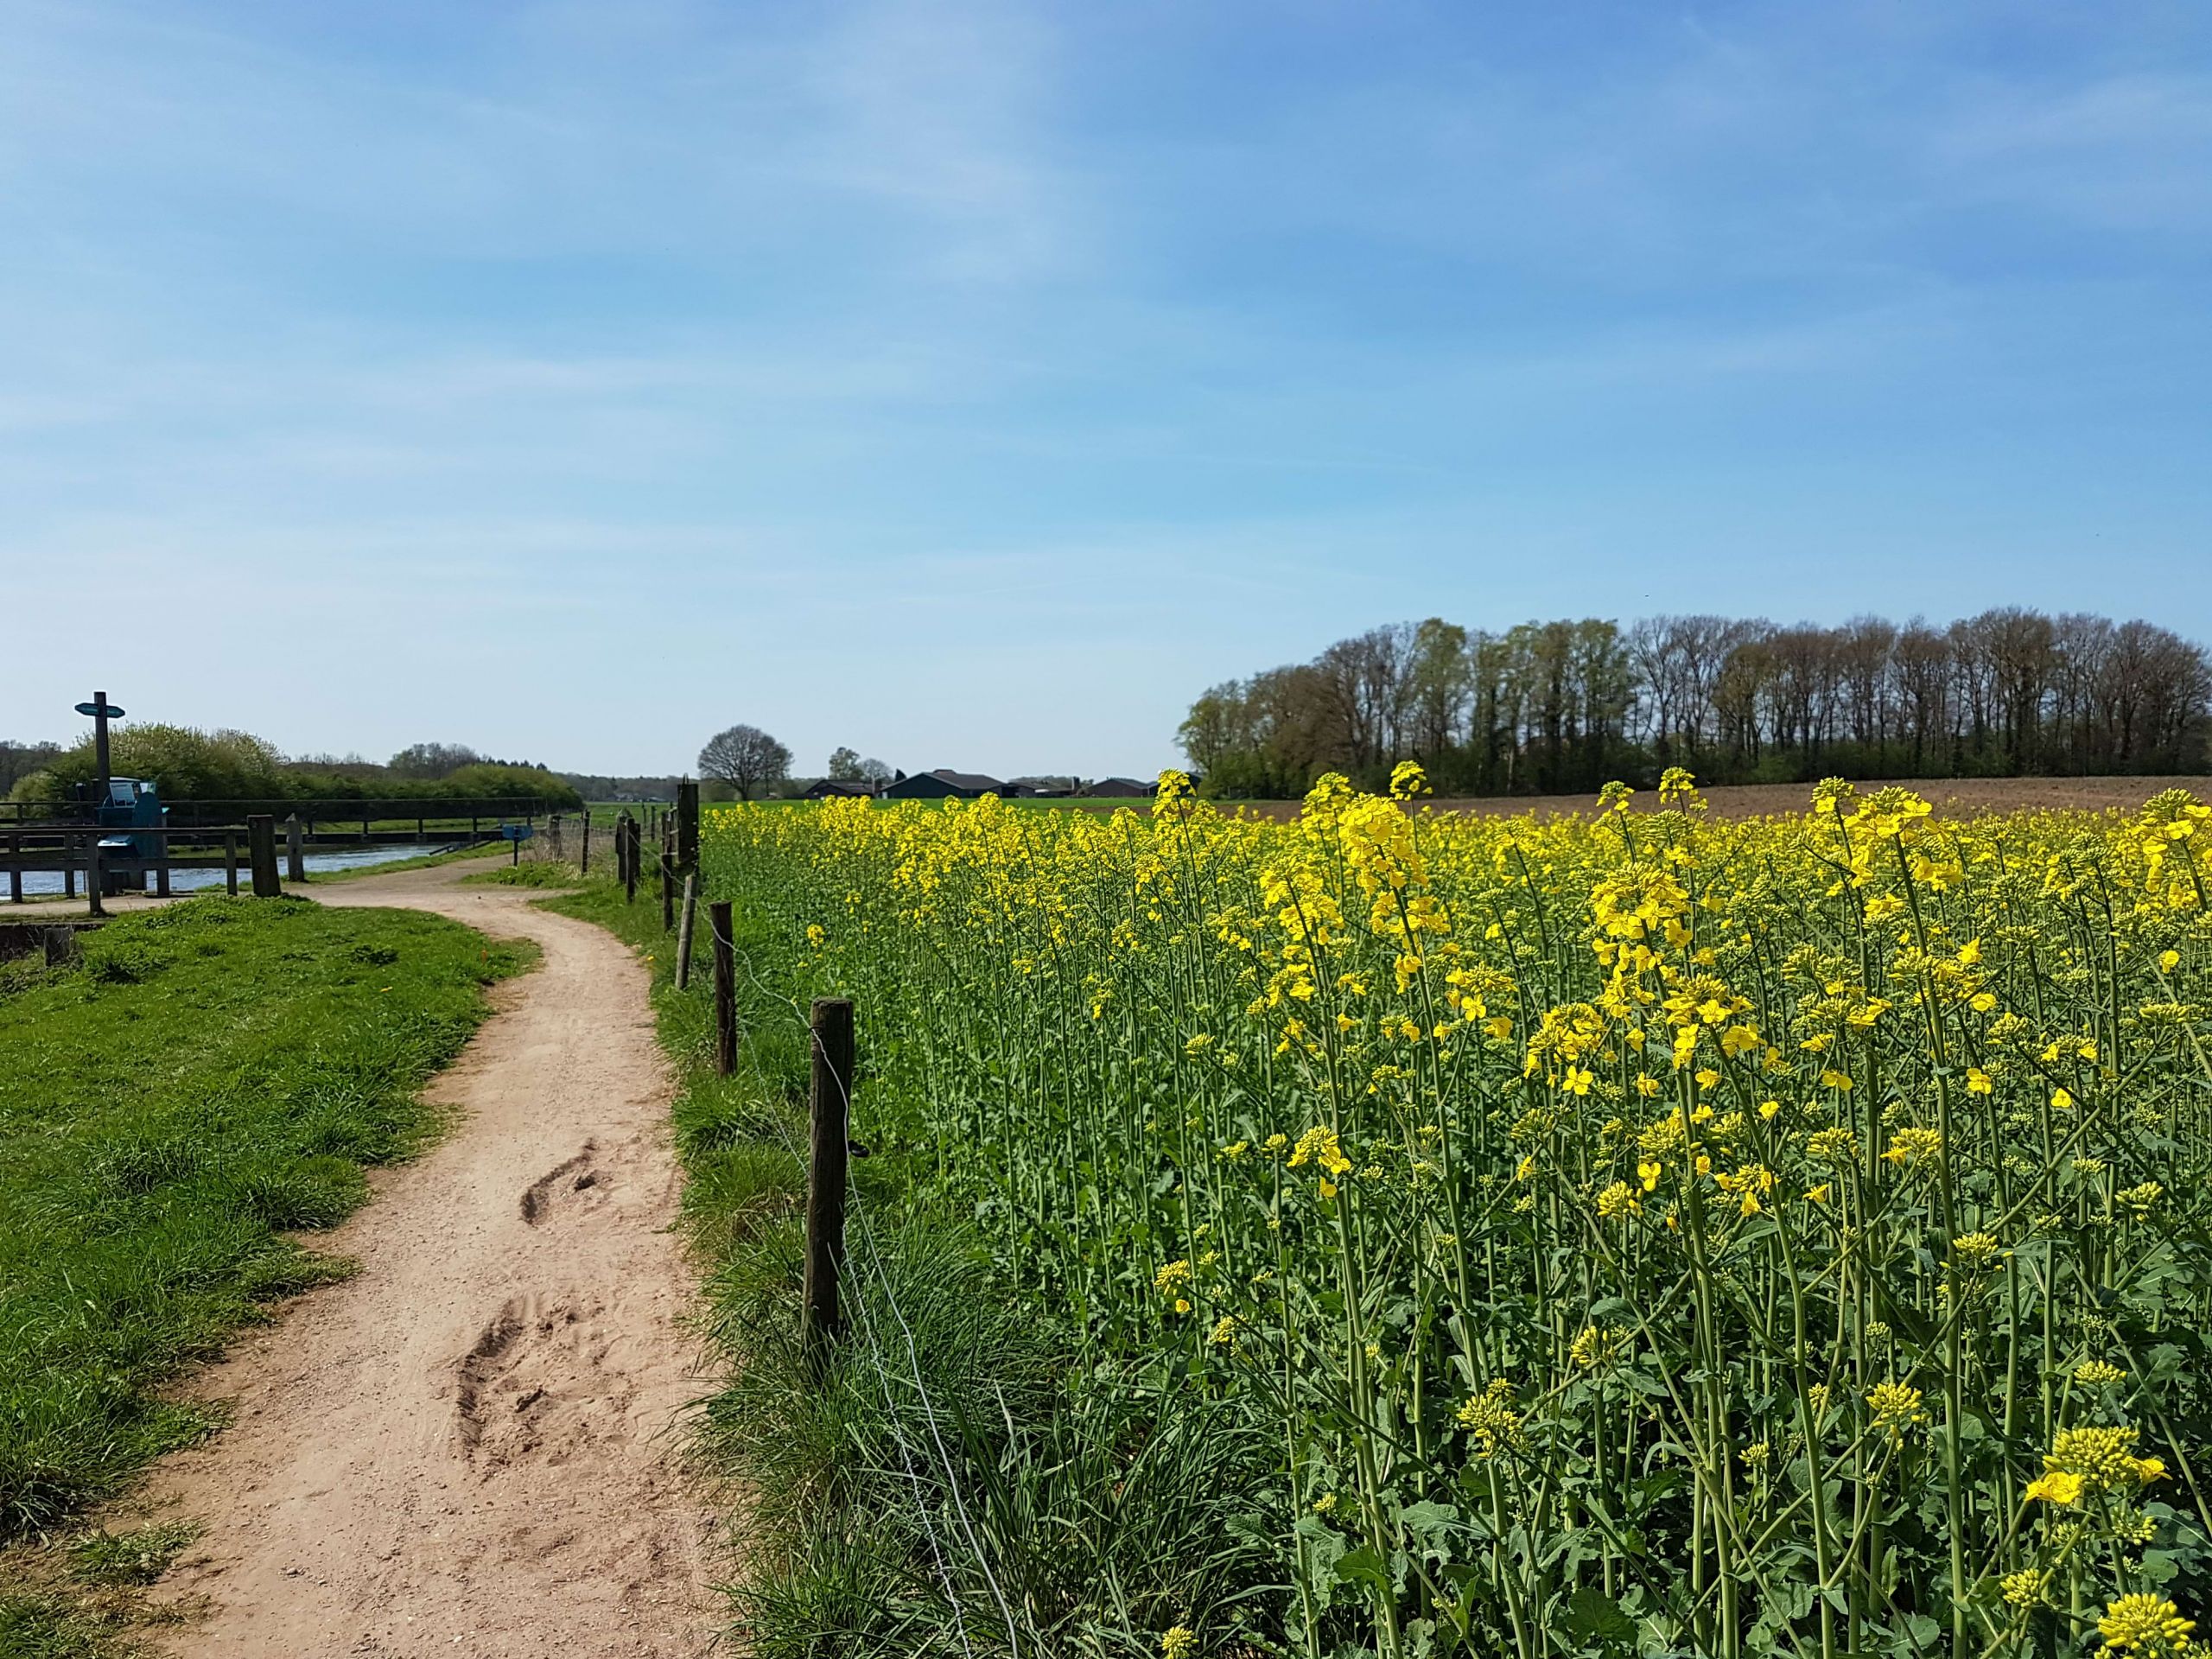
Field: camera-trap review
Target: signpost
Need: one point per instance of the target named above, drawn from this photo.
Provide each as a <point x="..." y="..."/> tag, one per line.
<point x="101" y="711"/>
<point x="517" y="833"/>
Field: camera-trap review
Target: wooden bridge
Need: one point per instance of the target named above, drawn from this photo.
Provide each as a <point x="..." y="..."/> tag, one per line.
<point x="216" y="835"/>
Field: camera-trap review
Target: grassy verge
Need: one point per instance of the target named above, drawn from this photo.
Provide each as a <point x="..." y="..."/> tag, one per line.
<point x="427" y="862"/>
<point x="952" y="1483"/>
<point x="209" y="1078"/>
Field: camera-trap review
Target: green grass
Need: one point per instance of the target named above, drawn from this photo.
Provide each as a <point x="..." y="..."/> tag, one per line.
<point x="427" y="862"/>
<point x="541" y="873"/>
<point x="211" y="1078"/>
<point x="904" y="1495"/>
<point x="138" y="1556"/>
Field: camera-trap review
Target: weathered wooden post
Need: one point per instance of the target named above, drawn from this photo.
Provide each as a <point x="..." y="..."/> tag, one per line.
<point x="584" y="868"/>
<point x="295" y="863"/>
<point x="161" y="871"/>
<point x="687" y="825"/>
<point x="231" y="862"/>
<point x="261" y="853"/>
<point x="821" y="1320"/>
<point x="95" y="877"/>
<point x="667" y="893"/>
<point x="628" y="832"/>
<point x="14" y="871"/>
<point x="725" y="947"/>
<point x="683" y="932"/>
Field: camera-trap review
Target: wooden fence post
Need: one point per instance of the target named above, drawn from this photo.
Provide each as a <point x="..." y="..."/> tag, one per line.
<point x="95" y="877"/>
<point x="821" y="1320"/>
<point x="584" y="868"/>
<point x="687" y="825"/>
<point x="629" y="834"/>
<point x="14" y="875"/>
<point x="683" y="932"/>
<point x="261" y="853"/>
<point x="725" y="945"/>
<point x="231" y="862"/>
<point x="667" y="893"/>
<point x="295" y="863"/>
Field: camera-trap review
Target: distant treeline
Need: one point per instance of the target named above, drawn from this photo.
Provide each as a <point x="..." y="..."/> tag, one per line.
<point x="20" y="760"/>
<point x="1564" y="707"/>
<point x="595" y="786"/>
<point x="228" y="766"/>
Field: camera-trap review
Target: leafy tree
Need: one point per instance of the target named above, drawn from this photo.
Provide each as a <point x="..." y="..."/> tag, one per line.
<point x="21" y="760"/>
<point x="434" y="760"/>
<point x="495" y="780"/>
<point x="185" y="763"/>
<point x="845" y="766"/>
<point x="745" y="756"/>
<point x="874" y="772"/>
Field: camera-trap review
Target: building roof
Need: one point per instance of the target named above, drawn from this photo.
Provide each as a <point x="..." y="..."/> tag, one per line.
<point x="973" y="780"/>
<point x="1119" y="786"/>
<point x="840" y="786"/>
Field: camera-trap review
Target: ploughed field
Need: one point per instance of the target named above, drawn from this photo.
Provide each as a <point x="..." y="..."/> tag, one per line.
<point x="1436" y="1232"/>
<point x="1949" y="797"/>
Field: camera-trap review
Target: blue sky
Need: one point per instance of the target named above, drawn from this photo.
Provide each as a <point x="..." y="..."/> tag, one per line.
<point x="974" y="383"/>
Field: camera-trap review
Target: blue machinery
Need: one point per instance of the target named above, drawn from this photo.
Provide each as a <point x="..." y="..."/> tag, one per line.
<point x="130" y="803"/>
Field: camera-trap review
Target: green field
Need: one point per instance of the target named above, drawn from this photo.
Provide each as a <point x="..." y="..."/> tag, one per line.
<point x="210" y="1078"/>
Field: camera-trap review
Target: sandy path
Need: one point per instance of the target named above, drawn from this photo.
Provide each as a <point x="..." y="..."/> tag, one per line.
<point x="467" y="1449"/>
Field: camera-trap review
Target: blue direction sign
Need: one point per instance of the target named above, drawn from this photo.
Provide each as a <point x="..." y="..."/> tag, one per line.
<point x="516" y="831"/>
<point x="101" y="710"/>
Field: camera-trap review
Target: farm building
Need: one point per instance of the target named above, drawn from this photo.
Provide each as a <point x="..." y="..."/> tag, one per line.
<point x="936" y="786"/>
<point x="1118" y="787"/>
<point x="824" y="788"/>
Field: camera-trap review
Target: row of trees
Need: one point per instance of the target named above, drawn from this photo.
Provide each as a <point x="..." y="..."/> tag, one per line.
<point x="232" y="765"/>
<point x="1564" y="706"/>
<point x="19" y="759"/>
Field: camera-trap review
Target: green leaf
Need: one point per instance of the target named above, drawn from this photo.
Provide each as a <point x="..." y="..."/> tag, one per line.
<point x="1594" y="1617"/>
<point x="1429" y="1522"/>
<point x="1365" y="1565"/>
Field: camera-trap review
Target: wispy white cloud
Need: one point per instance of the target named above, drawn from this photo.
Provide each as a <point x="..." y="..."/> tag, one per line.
<point x="944" y="342"/>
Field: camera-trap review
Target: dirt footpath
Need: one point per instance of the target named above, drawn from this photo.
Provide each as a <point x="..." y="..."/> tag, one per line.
<point x="471" y="1446"/>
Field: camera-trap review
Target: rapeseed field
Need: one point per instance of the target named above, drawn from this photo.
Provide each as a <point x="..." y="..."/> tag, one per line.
<point x="1625" y="1232"/>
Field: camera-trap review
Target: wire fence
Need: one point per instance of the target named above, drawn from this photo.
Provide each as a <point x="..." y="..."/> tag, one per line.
<point x="894" y="1372"/>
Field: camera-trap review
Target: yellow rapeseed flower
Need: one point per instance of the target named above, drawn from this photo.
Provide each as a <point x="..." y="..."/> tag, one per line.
<point x="2147" y="1624"/>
